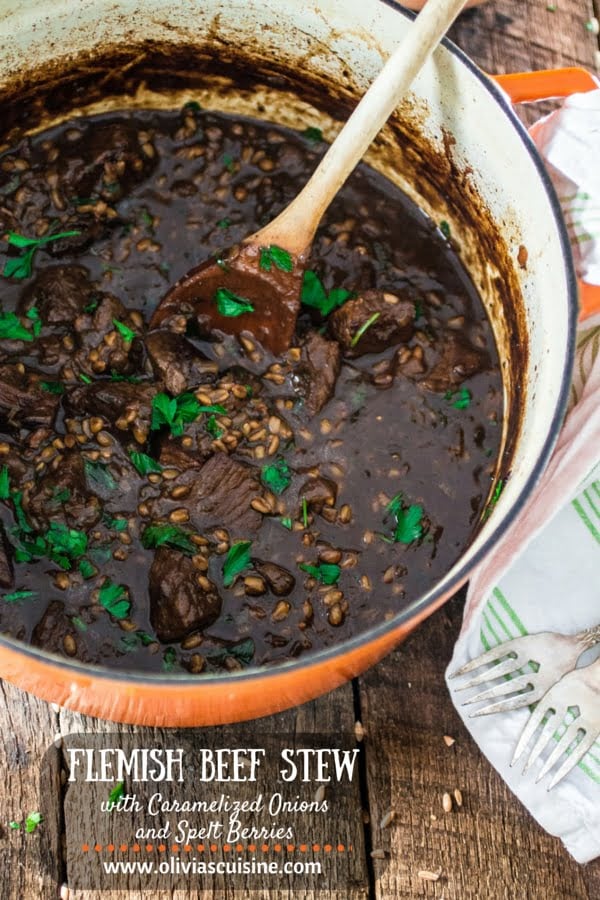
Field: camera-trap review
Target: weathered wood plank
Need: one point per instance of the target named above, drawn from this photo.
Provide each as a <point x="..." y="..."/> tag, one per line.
<point x="491" y="847"/>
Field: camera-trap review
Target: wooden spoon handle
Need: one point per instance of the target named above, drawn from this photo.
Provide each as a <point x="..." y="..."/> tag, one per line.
<point x="294" y="228"/>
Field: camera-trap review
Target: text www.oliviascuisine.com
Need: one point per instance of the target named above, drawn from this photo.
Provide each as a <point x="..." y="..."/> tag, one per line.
<point x="174" y="865"/>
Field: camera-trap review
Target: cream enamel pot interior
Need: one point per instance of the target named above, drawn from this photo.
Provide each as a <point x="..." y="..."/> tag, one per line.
<point x="454" y="146"/>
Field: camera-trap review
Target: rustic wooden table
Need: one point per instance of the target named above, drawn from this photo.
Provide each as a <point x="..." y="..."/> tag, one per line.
<point x="488" y="849"/>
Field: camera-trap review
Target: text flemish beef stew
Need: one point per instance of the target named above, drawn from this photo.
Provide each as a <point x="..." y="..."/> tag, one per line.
<point x="181" y="501"/>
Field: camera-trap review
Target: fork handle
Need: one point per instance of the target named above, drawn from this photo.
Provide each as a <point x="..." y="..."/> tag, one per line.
<point x="589" y="637"/>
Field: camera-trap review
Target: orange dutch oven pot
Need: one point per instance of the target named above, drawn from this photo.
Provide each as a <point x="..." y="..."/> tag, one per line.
<point x="504" y="202"/>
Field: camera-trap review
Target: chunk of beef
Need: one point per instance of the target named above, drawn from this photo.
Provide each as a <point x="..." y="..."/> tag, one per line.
<point x="394" y="322"/>
<point x="51" y="629"/>
<point x="102" y="347"/>
<point x="220" y="494"/>
<point x="63" y="494"/>
<point x="178" y="604"/>
<point x="173" y="455"/>
<point x="177" y="362"/>
<point x="318" y="492"/>
<point x="22" y="401"/>
<point x="458" y="360"/>
<point x="279" y="579"/>
<point x="6" y="566"/>
<point x="105" y="161"/>
<point x="318" y="370"/>
<point x="60" y="293"/>
<point x="124" y="405"/>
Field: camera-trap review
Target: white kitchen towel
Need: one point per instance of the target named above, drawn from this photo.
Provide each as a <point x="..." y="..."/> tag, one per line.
<point x="545" y="573"/>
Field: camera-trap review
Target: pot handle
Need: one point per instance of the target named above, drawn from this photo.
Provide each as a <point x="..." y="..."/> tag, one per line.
<point x="525" y="87"/>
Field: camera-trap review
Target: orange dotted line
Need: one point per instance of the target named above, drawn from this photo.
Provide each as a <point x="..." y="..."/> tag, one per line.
<point x="214" y="848"/>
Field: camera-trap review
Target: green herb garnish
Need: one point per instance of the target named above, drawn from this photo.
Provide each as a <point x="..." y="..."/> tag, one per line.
<point x="314" y="294"/>
<point x="499" y="487"/>
<point x="20" y="267"/>
<point x="65" y="545"/>
<point x="32" y="821"/>
<point x="326" y="573"/>
<point x="277" y="256"/>
<point x="4" y="483"/>
<point x="169" y="659"/>
<point x="365" y="325"/>
<point x="312" y="134"/>
<point x="445" y="229"/>
<point x="229" y="304"/>
<point x="287" y="523"/>
<point x="14" y="825"/>
<point x="170" y="535"/>
<point x="119" y="525"/>
<point x="79" y="623"/>
<point x="276" y="476"/>
<point x="224" y="223"/>
<point x="408" y="520"/>
<point x="460" y="399"/>
<point x="237" y="559"/>
<point x="92" y="306"/>
<point x="52" y="387"/>
<point x="22" y="523"/>
<point x="115" y="599"/>
<point x="85" y="378"/>
<point x="176" y="412"/>
<point x="243" y="652"/>
<point x="228" y="162"/>
<point x="304" y="512"/>
<point x="87" y="569"/>
<point x="144" y="463"/>
<point x="117" y="793"/>
<point x="18" y="595"/>
<point x="213" y="428"/>
<point x="126" y="333"/>
<point x="12" y="329"/>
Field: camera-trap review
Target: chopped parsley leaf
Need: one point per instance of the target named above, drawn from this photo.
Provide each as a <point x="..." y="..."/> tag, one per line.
<point x="364" y="327"/>
<point x="18" y="595"/>
<point x="115" y="599"/>
<point x="276" y="476"/>
<point x="237" y="559"/>
<point x="408" y="520"/>
<point x="460" y="399"/>
<point x="169" y="659"/>
<point x="213" y="428"/>
<point x="32" y="821"/>
<point x="14" y="825"/>
<point x="126" y="333"/>
<point x="52" y="387"/>
<point x="176" y="412"/>
<point x="326" y="573"/>
<point x="116" y="794"/>
<point x="99" y="475"/>
<point x="21" y="266"/>
<point x="277" y="256"/>
<point x="314" y="294"/>
<point x="224" y="223"/>
<point x="287" y="523"/>
<point x="12" y="329"/>
<point x="445" y="229"/>
<point x="87" y="569"/>
<point x="170" y="535"/>
<point x="85" y="378"/>
<point x="304" y="512"/>
<point x="312" y="134"/>
<point x="4" y="483"/>
<point x="144" y="463"/>
<point x="229" y="304"/>
<point x="228" y="162"/>
<point x="79" y="623"/>
<point x="494" y="498"/>
<point x="65" y="545"/>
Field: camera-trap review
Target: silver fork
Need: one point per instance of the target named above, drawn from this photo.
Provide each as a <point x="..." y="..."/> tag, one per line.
<point x="579" y="692"/>
<point x="554" y="655"/>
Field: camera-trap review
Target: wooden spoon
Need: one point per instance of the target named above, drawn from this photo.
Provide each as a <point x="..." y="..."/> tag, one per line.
<point x="246" y="290"/>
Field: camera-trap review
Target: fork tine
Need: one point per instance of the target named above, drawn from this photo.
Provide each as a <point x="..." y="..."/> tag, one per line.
<point x="534" y="720"/>
<point x="561" y="747"/>
<point x="500" y="690"/>
<point x="545" y="737"/>
<point x="498" y="671"/>
<point x="489" y="656"/>
<point x="574" y="757"/>
<point x="516" y="702"/>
